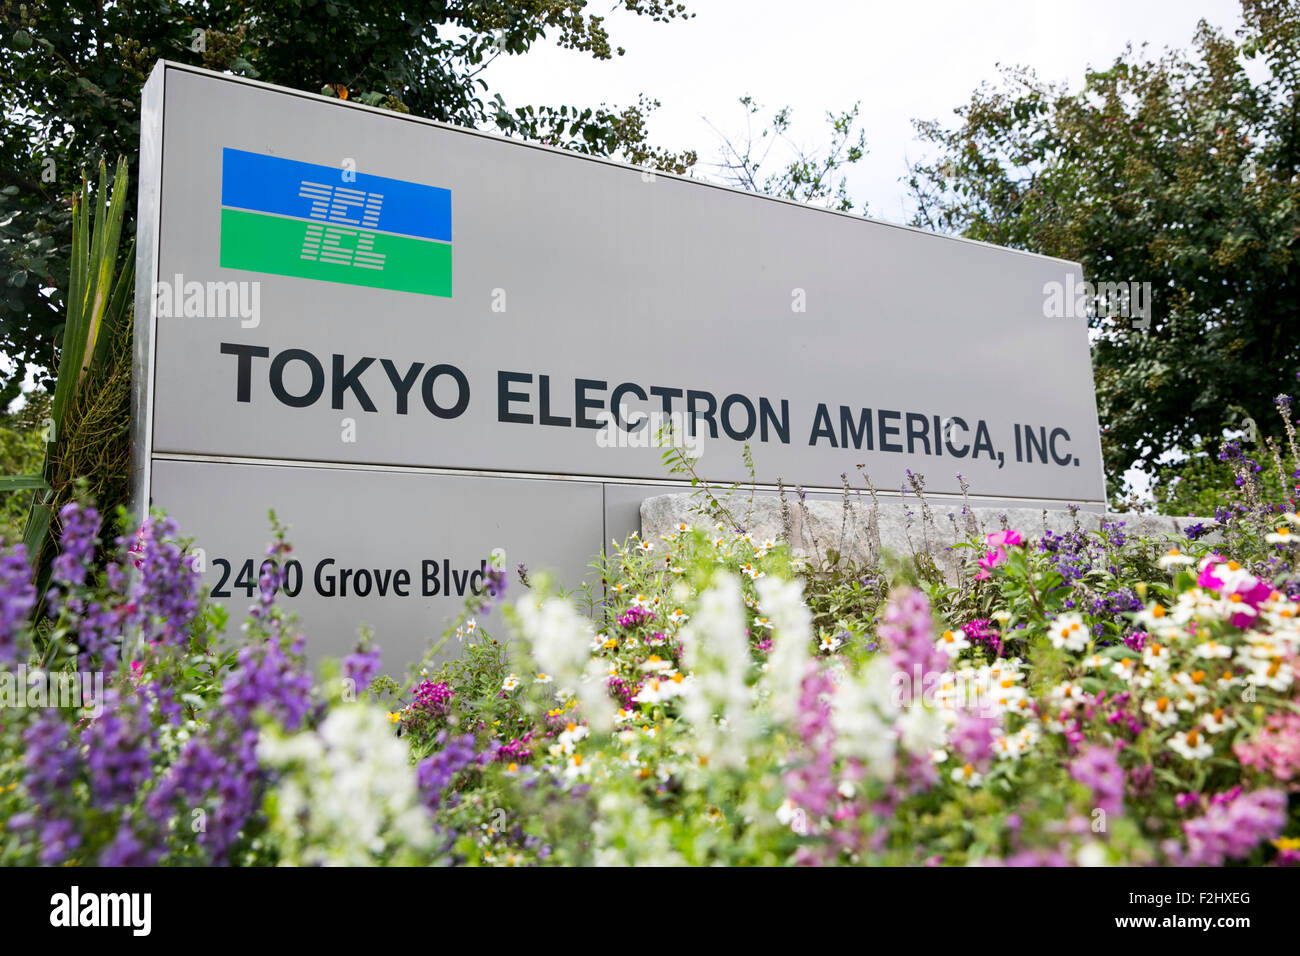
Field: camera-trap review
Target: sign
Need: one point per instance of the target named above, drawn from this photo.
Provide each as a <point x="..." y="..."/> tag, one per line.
<point x="420" y="343"/>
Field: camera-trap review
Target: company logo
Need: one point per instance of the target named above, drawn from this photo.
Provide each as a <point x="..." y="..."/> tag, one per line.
<point x="287" y="218"/>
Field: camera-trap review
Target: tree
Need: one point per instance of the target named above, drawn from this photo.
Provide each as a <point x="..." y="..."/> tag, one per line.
<point x="809" y="177"/>
<point x="1180" y="171"/>
<point x="71" y="74"/>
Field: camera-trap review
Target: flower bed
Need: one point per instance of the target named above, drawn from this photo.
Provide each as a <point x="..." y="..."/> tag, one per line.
<point x="1075" y="699"/>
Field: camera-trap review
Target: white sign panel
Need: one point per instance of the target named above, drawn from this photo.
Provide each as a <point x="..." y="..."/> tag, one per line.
<point x="324" y="285"/>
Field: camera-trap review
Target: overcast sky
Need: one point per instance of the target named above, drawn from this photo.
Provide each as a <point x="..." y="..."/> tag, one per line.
<point x="901" y="60"/>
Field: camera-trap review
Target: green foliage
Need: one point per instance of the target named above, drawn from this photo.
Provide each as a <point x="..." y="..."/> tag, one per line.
<point x="22" y="452"/>
<point x="1179" y="171"/>
<point x="71" y="75"/>
<point x="87" y="441"/>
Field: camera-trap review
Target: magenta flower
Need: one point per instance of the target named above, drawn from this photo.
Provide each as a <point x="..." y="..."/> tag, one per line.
<point x="1004" y="539"/>
<point x="989" y="562"/>
<point x="1251" y="590"/>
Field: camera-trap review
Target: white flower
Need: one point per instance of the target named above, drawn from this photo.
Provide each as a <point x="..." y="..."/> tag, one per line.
<point x="1217" y="721"/>
<point x="788" y="815"/>
<point x="1125" y="668"/>
<point x="1008" y="747"/>
<point x="862" y="714"/>
<point x="1156" y="656"/>
<point x="1091" y="853"/>
<point x="1193" y="695"/>
<point x="829" y="644"/>
<point x="1271" y="674"/>
<point x="571" y="734"/>
<point x="1161" y="711"/>
<point x="1283" y="535"/>
<point x="968" y="775"/>
<point x="1190" y="745"/>
<point x="346" y="793"/>
<point x="560" y="638"/>
<point x="715" y="650"/>
<point x="656" y="689"/>
<point x="576" y="766"/>
<point x="1174" y="558"/>
<point x="782" y="602"/>
<point x="921" y="730"/>
<point x="1006" y="695"/>
<point x="1213" y="649"/>
<point x="510" y="683"/>
<point x="1066" y="695"/>
<point x="1068" y="631"/>
<point x="954" y="642"/>
<point x="1155" y="619"/>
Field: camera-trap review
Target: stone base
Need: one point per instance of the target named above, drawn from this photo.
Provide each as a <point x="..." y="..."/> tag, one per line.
<point x="862" y="532"/>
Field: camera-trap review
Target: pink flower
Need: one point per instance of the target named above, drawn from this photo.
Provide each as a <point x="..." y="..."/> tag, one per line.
<point x="1275" y="749"/>
<point x="991" y="561"/>
<point x="1245" y="588"/>
<point x="1208" y="579"/>
<point x="137" y="548"/>
<point x="1004" y="539"/>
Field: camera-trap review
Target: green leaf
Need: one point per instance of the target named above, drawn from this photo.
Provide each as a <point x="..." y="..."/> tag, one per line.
<point x="22" y="482"/>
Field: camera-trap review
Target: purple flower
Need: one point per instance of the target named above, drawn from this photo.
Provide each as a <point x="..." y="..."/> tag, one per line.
<point x="164" y="597"/>
<point x="119" y="751"/>
<point x="268" y="679"/>
<point x="634" y="616"/>
<point x="433" y="698"/>
<point x="1097" y="768"/>
<point x="17" y="598"/>
<point x="59" y="839"/>
<point x="810" y="784"/>
<point x="1231" y="829"/>
<point x="79" y="527"/>
<point x="127" y="850"/>
<point x="972" y="739"/>
<point x="981" y="631"/>
<point x="362" y="666"/>
<point x="909" y="633"/>
<point x="436" y="773"/>
<point x="50" y="757"/>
